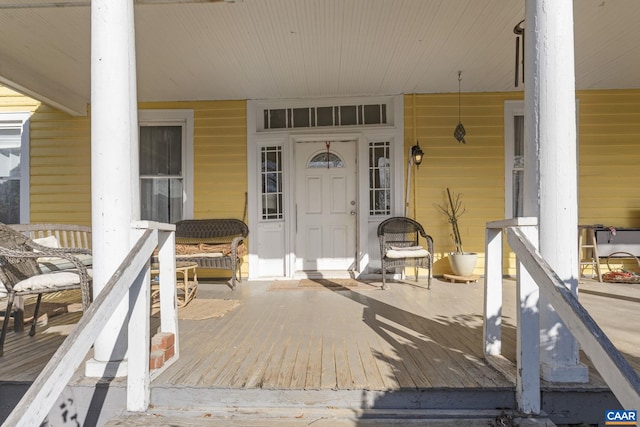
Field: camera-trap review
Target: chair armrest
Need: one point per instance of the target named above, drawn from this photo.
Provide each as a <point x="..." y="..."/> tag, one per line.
<point x="429" y="240"/>
<point x="234" y="245"/>
<point x="46" y="252"/>
<point x="58" y="253"/>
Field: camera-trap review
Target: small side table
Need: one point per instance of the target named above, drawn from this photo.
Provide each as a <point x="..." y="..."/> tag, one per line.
<point x="588" y="251"/>
<point x="186" y="283"/>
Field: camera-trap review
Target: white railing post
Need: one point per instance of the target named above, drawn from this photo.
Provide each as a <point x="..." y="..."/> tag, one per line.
<point x="138" y="335"/>
<point x="139" y="377"/>
<point x="527" y="314"/>
<point x="138" y="340"/>
<point x="167" y="279"/>
<point x="528" y="334"/>
<point x="493" y="291"/>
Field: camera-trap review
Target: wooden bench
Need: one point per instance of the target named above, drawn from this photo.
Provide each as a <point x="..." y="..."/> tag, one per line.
<point x="67" y="235"/>
<point x="212" y="243"/>
<point x="64" y="236"/>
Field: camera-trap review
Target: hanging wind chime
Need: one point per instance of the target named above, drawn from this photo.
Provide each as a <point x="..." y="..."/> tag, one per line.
<point x="518" y="30"/>
<point x="459" y="133"/>
<point x="328" y="144"/>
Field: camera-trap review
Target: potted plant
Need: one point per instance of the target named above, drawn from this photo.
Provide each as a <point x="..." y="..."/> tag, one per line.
<point x="462" y="263"/>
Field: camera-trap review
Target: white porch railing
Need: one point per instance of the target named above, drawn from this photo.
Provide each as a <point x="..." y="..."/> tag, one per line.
<point x="534" y="275"/>
<point x="131" y="278"/>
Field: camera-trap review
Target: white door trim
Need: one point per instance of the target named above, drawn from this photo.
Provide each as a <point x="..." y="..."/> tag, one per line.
<point x="264" y="255"/>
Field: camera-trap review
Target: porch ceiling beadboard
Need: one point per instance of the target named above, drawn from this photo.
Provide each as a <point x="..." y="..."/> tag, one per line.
<point x="302" y="48"/>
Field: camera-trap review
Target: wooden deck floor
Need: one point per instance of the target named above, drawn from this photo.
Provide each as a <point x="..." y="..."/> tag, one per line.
<point x="405" y="338"/>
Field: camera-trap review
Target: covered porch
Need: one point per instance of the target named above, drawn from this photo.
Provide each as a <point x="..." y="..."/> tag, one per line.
<point x="346" y="347"/>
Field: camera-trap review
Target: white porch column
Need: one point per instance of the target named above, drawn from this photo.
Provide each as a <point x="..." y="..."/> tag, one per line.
<point x="551" y="190"/>
<point x="114" y="164"/>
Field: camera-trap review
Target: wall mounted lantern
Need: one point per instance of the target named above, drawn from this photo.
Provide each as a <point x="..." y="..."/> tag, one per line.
<point x="415" y="157"/>
<point x="416" y="154"/>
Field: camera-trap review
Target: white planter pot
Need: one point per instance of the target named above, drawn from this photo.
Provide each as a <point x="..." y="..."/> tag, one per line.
<point x="463" y="264"/>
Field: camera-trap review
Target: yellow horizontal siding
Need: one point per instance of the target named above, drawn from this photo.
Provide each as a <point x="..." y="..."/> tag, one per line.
<point x="220" y="157"/>
<point x="60" y="167"/>
<point x="609" y="131"/>
<point x="12" y="101"/>
<point x="608" y="135"/>
<point x="609" y="157"/>
<point x="61" y="162"/>
<point x="475" y="169"/>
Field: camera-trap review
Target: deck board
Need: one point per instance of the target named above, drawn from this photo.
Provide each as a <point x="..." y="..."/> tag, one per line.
<point x="313" y="378"/>
<point x="384" y="361"/>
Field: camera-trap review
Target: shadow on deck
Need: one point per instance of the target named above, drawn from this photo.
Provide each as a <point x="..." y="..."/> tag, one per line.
<point x="343" y="347"/>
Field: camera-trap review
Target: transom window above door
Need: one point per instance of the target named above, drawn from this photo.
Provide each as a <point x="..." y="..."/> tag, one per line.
<point x="324" y="116"/>
<point x="325" y="160"/>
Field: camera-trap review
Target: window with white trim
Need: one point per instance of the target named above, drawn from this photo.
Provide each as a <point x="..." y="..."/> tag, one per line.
<point x="517" y="171"/>
<point x="324" y="116"/>
<point x="271" y="180"/>
<point x="514" y="158"/>
<point x="379" y="178"/>
<point x="515" y="167"/>
<point x="14" y="171"/>
<point x="166" y="147"/>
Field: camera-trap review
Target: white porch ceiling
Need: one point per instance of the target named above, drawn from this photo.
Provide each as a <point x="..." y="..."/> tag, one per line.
<point x="255" y="49"/>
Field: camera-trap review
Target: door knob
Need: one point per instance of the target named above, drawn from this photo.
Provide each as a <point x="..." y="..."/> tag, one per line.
<point x="353" y="212"/>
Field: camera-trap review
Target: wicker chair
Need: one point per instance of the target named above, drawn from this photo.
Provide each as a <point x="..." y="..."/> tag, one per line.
<point x="21" y="275"/>
<point x="400" y="246"/>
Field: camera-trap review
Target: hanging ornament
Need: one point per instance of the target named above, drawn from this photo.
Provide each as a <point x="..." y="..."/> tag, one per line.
<point x="328" y="144"/>
<point x="459" y="133"/>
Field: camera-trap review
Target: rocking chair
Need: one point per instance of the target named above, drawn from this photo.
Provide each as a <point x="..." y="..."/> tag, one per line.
<point x="21" y="275"/>
<point x="400" y="247"/>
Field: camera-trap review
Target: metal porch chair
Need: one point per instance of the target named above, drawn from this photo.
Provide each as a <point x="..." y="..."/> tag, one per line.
<point x="400" y="247"/>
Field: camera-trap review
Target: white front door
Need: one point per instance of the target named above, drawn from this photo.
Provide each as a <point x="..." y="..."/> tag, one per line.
<point x="326" y="206"/>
